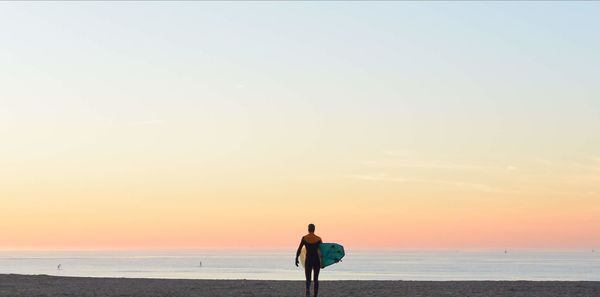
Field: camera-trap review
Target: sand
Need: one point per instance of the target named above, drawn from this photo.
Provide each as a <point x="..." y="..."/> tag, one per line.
<point x="40" y="285"/>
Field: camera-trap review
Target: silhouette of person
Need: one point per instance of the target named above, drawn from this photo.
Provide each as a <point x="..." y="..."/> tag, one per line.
<point x="313" y="258"/>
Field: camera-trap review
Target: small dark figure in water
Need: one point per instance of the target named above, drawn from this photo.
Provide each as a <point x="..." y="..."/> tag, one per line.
<point x="59" y="267"/>
<point x="313" y="260"/>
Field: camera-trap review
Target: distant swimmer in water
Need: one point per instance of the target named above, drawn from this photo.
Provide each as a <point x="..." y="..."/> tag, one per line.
<point x="200" y="265"/>
<point x="59" y="267"/>
<point x="312" y="262"/>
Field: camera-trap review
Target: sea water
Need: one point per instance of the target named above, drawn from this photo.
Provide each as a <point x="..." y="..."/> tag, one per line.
<point x="279" y="265"/>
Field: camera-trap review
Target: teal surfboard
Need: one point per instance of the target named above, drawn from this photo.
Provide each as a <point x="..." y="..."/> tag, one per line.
<point x="331" y="253"/>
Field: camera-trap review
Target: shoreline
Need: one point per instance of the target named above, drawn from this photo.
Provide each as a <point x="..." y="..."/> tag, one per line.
<point x="295" y="280"/>
<point x="44" y="285"/>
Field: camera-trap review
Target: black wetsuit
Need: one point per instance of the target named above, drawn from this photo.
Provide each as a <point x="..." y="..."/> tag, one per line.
<point x="312" y="263"/>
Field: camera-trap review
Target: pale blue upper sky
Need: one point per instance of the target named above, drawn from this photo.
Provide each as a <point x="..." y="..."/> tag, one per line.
<point x="482" y="70"/>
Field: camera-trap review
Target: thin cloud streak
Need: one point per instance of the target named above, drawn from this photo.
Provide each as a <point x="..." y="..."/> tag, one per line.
<point x="458" y="184"/>
<point x="432" y="165"/>
<point x="149" y="122"/>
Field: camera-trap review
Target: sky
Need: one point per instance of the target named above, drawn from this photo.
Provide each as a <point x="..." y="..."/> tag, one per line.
<point x="390" y="125"/>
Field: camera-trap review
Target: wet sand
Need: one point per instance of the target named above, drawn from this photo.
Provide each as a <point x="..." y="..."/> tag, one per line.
<point x="37" y="286"/>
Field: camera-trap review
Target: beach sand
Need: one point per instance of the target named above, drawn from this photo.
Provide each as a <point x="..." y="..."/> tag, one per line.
<point x="40" y="285"/>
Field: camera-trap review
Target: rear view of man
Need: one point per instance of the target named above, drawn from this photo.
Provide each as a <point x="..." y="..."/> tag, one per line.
<point x="313" y="258"/>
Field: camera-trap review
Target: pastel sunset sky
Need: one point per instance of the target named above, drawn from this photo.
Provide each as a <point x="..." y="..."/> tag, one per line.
<point x="234" y="125"/>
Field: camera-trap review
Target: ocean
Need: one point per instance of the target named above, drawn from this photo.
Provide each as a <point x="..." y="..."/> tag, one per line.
<point x="279" y="265"/>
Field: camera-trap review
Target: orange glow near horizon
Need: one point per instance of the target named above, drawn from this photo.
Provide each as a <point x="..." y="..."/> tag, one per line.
<point x="362" y="212"/>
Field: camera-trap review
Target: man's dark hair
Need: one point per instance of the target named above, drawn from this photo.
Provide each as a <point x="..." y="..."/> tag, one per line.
<point x="311" y="228"/>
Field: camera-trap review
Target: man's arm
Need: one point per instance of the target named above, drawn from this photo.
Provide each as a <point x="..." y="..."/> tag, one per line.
<point x="299" y="250"/>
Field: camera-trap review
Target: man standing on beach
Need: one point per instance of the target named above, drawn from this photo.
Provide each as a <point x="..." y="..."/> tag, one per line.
<point x="313" y="260"/>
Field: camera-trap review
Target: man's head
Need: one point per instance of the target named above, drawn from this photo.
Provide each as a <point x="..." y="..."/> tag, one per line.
<point x="311" y="228"/>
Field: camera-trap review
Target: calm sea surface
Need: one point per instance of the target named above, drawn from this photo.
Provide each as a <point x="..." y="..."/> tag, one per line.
<point x="278" y="265"/>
